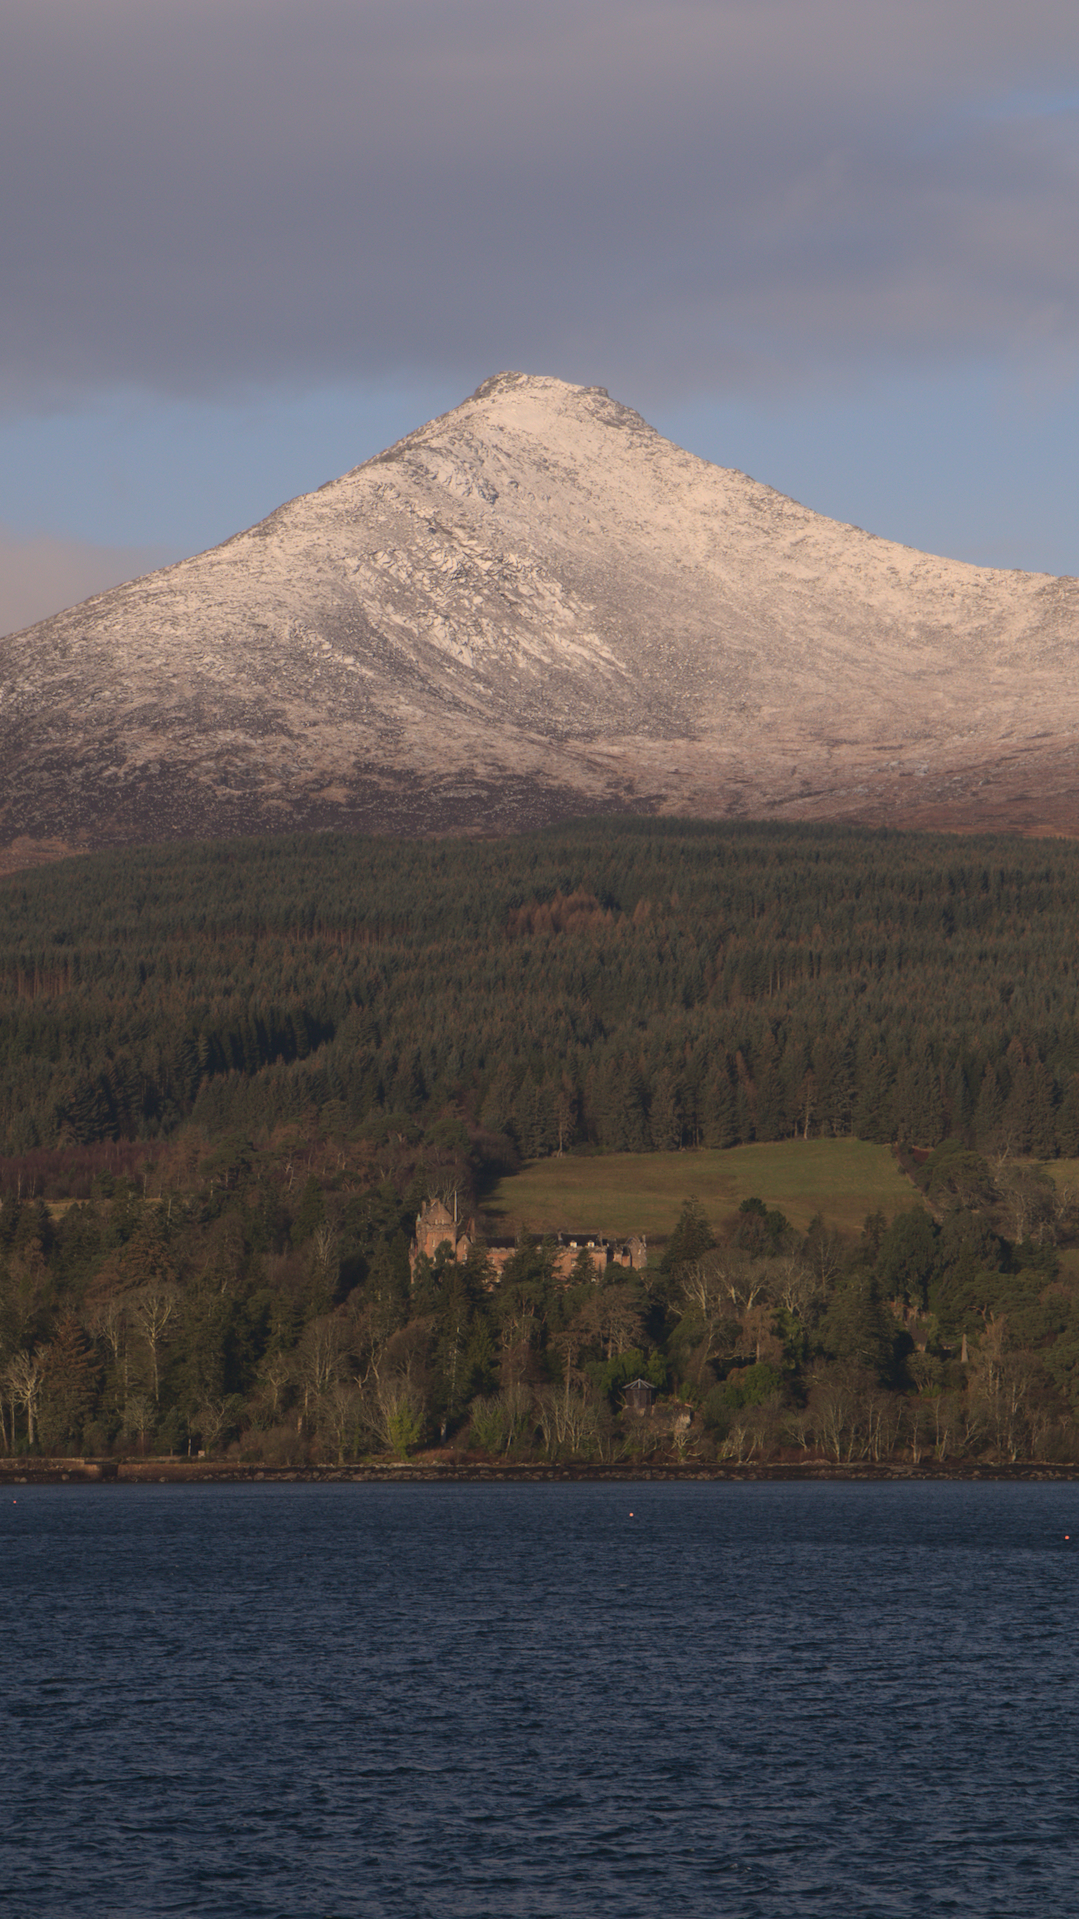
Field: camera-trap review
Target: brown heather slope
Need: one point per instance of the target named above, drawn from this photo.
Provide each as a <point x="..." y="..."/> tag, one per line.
<point x="536" y="607"/>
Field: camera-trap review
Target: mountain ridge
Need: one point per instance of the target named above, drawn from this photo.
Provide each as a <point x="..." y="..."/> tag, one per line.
<point x="536" y="607"/>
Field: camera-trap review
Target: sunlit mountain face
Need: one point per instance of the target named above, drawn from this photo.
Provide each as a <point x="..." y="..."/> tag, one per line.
<point x="536" y="607"/>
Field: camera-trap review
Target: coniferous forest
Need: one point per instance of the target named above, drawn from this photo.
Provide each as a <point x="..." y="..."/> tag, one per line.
<point x="232" y="1074"/>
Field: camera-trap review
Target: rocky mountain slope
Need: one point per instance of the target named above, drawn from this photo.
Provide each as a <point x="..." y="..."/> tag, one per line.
<point x="532" y="607"/>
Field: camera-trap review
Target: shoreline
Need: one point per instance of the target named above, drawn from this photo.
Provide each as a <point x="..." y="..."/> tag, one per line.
<point x="164" y="1472"/>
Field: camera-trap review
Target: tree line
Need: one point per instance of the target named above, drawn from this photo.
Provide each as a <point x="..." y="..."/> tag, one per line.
<point x="259" y="1301"/>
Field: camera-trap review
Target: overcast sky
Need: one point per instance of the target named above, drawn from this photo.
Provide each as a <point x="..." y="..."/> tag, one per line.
<point x="247" y="243"/>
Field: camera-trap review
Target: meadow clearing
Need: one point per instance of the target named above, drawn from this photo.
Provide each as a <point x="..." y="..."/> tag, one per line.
<point x="621" y="1193"/>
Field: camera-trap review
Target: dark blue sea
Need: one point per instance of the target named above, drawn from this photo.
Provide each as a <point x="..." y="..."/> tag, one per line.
<point x="552" y="1699"/>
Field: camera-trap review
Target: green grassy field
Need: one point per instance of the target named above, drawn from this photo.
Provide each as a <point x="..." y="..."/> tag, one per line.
<point x="1063" y="1173"/>
<point x="643" y="1192"/>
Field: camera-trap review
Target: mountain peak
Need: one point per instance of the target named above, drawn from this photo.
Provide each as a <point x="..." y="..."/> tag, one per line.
<point x="545" y="383"/>
<point x="506" y="382"/>
<point x="535" y="606"/>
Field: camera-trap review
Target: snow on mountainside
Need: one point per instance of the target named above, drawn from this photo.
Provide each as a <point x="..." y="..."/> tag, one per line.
<point x="533" y="607"/>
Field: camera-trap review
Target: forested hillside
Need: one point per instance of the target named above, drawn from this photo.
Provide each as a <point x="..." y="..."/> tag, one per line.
<point x="630" y="986"/>
<point x="233" y="1073"/>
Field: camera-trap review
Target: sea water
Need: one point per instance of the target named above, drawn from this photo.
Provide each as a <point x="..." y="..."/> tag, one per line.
<point x="552" y="1699"/>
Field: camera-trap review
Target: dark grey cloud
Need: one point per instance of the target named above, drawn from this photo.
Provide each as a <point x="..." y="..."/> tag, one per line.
<point x="203" y="194"/>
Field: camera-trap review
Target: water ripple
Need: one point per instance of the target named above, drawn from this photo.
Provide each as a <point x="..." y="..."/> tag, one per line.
<point x="261" y="1701"/>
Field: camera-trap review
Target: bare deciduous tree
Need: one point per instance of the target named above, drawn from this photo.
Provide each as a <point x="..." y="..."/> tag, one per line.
<point x="518" y="1334"/>
<point x="340" y="1416"/>
<point x="746" y="1280"/>
<point x="138" y="1415"/>
<point x="151" y="1309"/>
<point x="796" y="1287"/>
<point x="109" y="1324"/>
<point x="215" y="1417"/>
<point x="567" y="1420"/>
<point x="755" y="1431"/>
<point x="837" y="1407"/>
<point x="393" y="1408"/>
<point x="918" y="1427"/>
<point x="1000" y="1386"/>
<point x="611" y="1317"/>
<point x="323" y="1246"/>
<point x="321" y="1358"/>
<point x="882" y="1414"/>
<point x="274" y="1378"/>
<point x="24" y="1378"/>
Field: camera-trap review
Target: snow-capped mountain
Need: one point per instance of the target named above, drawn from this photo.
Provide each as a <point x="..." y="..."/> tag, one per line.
<point x="534" y="607"/>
